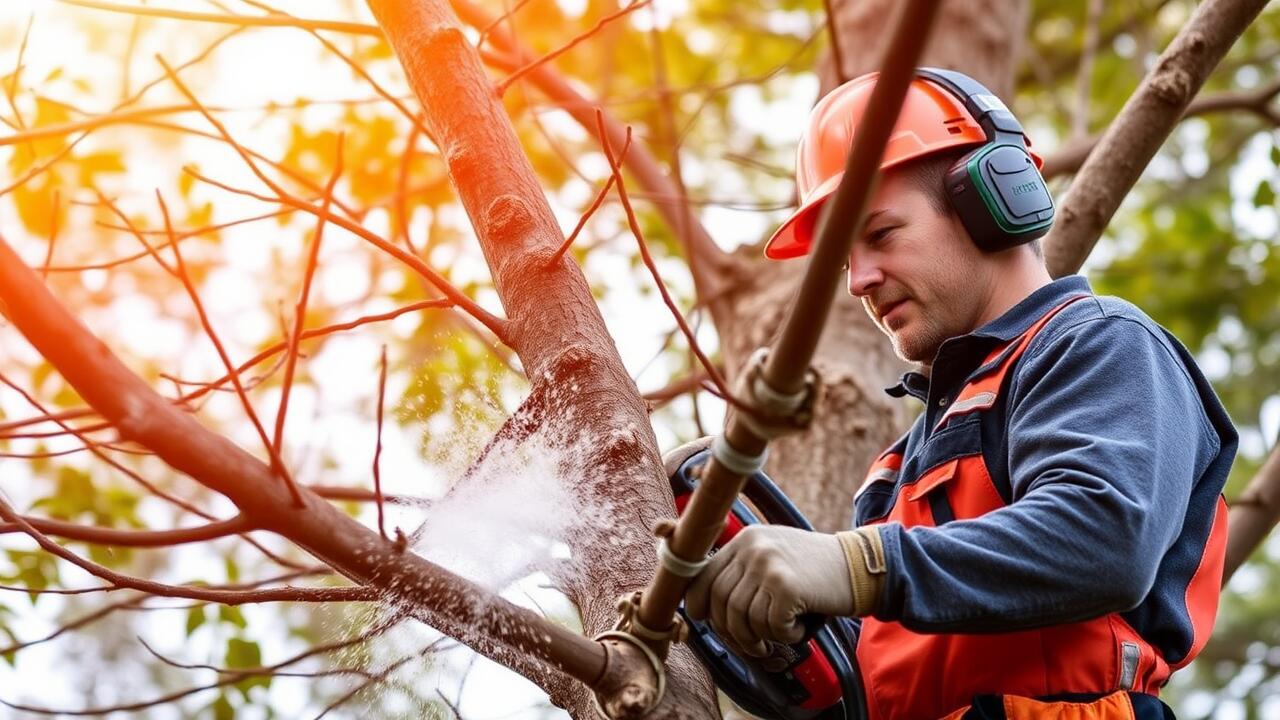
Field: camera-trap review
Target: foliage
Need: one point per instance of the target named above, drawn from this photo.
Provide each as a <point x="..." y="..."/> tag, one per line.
<point x="1195" y="246"/>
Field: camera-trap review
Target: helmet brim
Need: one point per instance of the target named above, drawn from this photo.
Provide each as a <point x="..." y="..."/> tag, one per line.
<point x="794" y="237"/>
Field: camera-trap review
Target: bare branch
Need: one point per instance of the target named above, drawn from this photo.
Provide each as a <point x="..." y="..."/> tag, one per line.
<point x="377" y="453"/>
<point x="595" y="204"/>
<point x="1253" y="514"/>
<point x="1141" y="128"/>
<point x="628" y="9"/>
<point x="132" y="538"/>
<point x="225" y="597"/>
<point x="1257" y="101"/>
<point x="241" y="20"/>
<point x="653" y="269"/>
<point x="300" y="310"/>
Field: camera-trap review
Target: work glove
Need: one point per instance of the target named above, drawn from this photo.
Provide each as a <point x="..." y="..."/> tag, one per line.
<point x="755" y="589"/>
<point x="673" y="459"/>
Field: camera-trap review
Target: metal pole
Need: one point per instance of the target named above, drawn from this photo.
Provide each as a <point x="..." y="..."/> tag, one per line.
<point x="789" y="359"/>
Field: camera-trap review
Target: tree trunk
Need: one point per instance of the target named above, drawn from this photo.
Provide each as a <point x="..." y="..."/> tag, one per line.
<point x="822" y="468"/>
<point x="554" y="326"/>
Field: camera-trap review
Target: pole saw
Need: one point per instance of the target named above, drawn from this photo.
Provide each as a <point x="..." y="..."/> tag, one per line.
<point x="779" y="388"/>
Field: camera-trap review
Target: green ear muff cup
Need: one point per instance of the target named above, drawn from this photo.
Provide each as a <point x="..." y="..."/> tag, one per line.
<point x="1000" y="197"/>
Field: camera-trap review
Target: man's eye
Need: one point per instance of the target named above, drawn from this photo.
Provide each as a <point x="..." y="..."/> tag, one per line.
<point x="880" y="235"/>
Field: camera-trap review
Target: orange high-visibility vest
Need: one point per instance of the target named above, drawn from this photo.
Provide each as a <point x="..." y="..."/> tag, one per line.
<point x="917" y="675"/>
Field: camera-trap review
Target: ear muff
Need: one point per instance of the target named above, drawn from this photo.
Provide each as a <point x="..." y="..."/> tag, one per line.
<point x="996" y="189"/>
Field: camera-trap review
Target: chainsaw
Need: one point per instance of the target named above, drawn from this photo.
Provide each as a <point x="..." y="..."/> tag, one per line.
<point x="814" y="679"/>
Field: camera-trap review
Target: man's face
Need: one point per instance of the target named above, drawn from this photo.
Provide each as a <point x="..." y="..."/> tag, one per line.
<point x="919" y="276"/>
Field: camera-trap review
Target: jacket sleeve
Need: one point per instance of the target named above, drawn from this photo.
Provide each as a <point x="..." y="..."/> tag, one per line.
<point x="1107" y="436"/>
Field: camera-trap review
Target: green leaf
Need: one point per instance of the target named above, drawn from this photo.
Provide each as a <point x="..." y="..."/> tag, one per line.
<point x="243" y="654"/>
<point x="1265" y="194"/>
<point x="233" y="570"/>
<point x="36" y="570"/>
<point x="222" y="708"/>
<point x="1275" y="155"/>
<point x="195" y="618"/>
<point x="232" y="614"/>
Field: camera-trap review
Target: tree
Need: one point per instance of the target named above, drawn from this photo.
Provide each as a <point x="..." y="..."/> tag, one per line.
<point x="359" y="177"/>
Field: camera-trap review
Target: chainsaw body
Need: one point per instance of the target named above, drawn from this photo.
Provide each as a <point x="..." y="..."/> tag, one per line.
<point x="814" y="679"/>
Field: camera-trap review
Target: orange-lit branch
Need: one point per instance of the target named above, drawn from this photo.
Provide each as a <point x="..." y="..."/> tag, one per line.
<point x="230" y="19"/>
<point x="707" y="365"/>
<point x="66" y="151"/>
<point x="180" y="269"/>
<point x="377" y="453"/>
<point x="6" y="429"/>
<point x="631" y="7"/>
<point x="355" y="67"/>
<point x="496" y="325"/>
<point x="300" y="310"/>
<point x="147" y="485"/>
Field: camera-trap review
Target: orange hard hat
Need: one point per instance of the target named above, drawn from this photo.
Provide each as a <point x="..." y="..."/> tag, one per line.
<point x="932" y="120"/>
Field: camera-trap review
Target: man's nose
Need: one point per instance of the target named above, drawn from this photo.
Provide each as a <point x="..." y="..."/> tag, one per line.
<point x="863" y="277"/>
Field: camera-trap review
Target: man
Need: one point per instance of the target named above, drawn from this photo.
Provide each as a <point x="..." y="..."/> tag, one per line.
<point x="1048" y="537"/>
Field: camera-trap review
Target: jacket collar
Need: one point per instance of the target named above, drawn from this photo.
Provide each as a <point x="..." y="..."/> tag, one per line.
<point x="1015" y="321"/>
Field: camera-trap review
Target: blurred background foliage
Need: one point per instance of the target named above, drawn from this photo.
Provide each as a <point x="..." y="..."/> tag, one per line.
<point x="1195" y="245"/>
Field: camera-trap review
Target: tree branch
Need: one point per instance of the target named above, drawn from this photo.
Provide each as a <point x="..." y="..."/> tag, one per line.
<point x="241" y="20"/>
<point x="457" y="606"/>
<point x="1253" y="514"/>
<point x="132" y="538"/>
<point x="1257" y="101"/>
<point x="1140" y="129"/>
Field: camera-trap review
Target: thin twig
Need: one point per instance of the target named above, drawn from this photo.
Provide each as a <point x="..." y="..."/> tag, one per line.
<point x="181" y="269"/>
<point x="377" y="453"/>
<point x="595" y="204"/>
<point x="242" y="20"/>
<point x="648" y="261"/>
<point x="631" y="7"/>
<point x="132" y="538"/>
<point x="357" y="593"/>
<point x="300" y="310"/>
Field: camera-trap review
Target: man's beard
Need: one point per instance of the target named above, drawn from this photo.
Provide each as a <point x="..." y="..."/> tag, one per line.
<point x="921" y="344"/>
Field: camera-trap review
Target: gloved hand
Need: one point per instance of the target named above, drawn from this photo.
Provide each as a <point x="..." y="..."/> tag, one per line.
<point x="758" y="585"/>
<point x="673" y="459"/>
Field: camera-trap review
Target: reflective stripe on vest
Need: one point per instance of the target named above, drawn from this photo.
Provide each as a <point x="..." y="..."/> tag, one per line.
<point x="914" y="675"/>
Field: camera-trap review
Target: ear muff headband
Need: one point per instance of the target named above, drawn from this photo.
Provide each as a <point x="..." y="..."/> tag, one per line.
<point x="996" y="189"/>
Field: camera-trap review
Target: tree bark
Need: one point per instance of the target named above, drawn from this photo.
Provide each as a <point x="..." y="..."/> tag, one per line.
<point x="554" y="326"/>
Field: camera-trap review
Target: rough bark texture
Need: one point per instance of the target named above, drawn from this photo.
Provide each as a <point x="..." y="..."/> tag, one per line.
<point x="822" y="468"/>
<point x="1140" y="129"/>
<point x="554" y="325"/>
